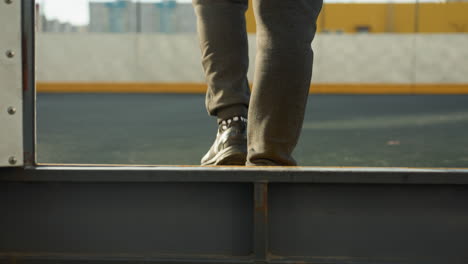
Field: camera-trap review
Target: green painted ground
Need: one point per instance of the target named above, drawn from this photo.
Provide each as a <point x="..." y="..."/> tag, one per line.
<point x="339" y="130"/>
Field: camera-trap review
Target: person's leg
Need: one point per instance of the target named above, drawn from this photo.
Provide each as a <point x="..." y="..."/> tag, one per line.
<point x="285" y="30"/>
<point x="224" y="46"/>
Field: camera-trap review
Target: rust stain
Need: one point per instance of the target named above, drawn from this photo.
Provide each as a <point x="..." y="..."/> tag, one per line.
<point x="261" y="204"/>
<point x="29" y="158"/>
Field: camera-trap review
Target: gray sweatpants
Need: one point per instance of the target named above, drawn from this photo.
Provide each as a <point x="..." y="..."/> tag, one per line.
<point x="276" y="106"/>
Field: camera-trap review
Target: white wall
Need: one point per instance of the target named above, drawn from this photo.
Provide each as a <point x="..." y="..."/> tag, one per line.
<point x="357" y="58"/>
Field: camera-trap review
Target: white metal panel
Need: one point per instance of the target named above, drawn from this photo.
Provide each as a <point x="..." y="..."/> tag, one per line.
<point x="11" y="128"/>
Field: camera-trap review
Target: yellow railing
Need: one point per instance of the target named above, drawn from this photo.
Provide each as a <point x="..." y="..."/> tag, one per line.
<point x="200" y="88"/>
<point x="389" y="18"/>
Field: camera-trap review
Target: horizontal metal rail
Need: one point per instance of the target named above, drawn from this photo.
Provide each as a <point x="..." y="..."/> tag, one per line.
<point x="121" y="173"/>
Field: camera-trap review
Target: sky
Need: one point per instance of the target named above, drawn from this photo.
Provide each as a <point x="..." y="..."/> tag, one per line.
<point x="76" y="11"/>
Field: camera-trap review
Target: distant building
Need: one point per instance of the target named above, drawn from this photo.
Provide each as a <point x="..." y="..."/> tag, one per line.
<point x="56" y="26"/>
<point x="185" y="18"/>
<point x="122" y="16"/>
<point x="115" y="17"/>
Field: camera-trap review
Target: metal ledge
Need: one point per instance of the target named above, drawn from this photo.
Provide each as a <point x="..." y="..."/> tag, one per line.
<point x="348" y="175"/>
<point x="122" y="259"/>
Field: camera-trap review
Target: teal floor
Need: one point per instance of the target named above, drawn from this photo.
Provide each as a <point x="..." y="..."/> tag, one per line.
<point x="339" y="130"/>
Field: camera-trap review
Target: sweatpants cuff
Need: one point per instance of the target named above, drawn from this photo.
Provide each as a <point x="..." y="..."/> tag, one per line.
<point x="231" y="111"/>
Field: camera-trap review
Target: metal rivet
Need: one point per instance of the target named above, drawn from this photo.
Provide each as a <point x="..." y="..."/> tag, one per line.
<point x="10" y="53"/>
<point x="11" y="110"/>
<point x="8" y="2"/>
<point x="12" y="160"/>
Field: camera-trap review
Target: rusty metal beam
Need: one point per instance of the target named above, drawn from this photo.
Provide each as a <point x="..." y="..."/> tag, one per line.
<point x="260" y="228"/>
<point x="232" y="222"/>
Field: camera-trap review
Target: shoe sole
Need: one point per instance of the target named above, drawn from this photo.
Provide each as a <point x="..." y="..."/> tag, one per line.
<point x="230" y="156"/>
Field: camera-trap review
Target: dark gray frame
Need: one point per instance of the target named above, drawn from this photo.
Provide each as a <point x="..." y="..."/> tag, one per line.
<point x="28" y="13"/>
<point x="154" y="214"/>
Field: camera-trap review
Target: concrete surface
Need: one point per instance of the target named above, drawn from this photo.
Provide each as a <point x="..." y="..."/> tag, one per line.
<point x="339" y="130"/>
<point x="347" y="58"/>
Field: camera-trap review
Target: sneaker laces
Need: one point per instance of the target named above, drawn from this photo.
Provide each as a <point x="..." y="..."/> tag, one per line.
<point x="225" y="124"/>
